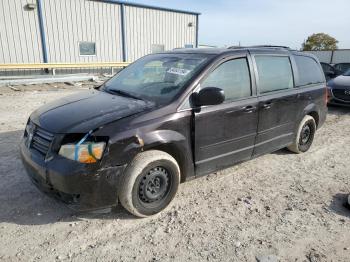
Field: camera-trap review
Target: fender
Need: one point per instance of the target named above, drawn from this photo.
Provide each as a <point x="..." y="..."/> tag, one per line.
<point x="169" y="141"/>
<point x="157" y="137"/>
<point x="175" y="144"/>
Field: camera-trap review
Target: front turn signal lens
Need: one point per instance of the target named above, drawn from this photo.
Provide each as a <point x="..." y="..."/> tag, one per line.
<point x="88" y="152"/>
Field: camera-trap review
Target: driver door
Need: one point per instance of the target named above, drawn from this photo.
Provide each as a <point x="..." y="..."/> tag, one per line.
<point x="225" y="133"/>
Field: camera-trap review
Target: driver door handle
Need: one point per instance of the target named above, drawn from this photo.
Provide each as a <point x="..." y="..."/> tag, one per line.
<point x="249" y="109"/>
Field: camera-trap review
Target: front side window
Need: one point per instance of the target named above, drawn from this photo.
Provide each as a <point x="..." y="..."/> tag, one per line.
<point x="157" y="78"/>
<point x="274" y="72"/>
<point x="309" y="71"/>
<point x="233" y="77"/>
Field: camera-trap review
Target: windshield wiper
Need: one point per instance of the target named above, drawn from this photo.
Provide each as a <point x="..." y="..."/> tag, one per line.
<point x="123" y="93"/>
<point x="98" y="87"/>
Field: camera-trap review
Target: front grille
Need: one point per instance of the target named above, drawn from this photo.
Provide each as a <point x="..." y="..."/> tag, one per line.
<point x="342" y="94"/>
<point x="41" y="140"/>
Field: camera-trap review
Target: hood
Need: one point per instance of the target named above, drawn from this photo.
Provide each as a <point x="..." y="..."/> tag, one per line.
<point x="340" y="82"/>
<point x="84" y="111"/>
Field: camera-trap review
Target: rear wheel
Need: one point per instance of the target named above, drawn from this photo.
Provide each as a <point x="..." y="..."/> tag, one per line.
<point x="149" y="183"/>
<point x="305" y="135"/>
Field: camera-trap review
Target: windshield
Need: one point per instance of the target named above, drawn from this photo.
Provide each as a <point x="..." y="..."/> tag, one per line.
<point x="158" y="78"/>
<point x="347" y="73"/>
<point x="342" y="67"/>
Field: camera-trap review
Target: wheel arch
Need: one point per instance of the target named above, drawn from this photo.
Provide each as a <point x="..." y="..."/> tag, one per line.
<point x="177" y="154"/>
<point x="176" y="145"/>
<point x="315" y="116"/>
<point x="313" y="111"/>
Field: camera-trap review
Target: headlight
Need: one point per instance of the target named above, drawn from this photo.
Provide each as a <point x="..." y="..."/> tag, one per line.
<point x="88" y="152"/>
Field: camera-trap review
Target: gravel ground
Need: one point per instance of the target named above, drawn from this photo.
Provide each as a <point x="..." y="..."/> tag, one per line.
<point x="278" y="207"/>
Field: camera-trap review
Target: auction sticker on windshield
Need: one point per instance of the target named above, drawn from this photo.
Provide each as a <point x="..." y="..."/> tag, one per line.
<point x="178" y="71"/>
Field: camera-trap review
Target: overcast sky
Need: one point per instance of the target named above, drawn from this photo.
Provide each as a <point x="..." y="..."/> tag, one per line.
<point x="277" y="22"/>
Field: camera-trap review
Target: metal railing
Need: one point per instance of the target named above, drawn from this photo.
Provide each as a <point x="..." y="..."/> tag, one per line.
<point x="54" y="66"/>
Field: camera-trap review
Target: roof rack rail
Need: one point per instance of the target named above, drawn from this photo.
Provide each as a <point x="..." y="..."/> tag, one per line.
<point x="258" y="46"/>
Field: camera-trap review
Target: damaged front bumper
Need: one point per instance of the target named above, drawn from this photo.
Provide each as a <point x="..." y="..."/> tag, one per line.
<point x="82" y="187"/>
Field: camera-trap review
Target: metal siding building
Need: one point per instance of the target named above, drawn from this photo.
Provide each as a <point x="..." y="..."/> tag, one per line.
<point x="68" y="22"/>
<point x="341" y="56"/>
<point x="323" y="56"/>
<point x="147" y="27"/>
<point x="53" y="30"/>
<point x="332" y="57"/>
<point x="19" y="33"/>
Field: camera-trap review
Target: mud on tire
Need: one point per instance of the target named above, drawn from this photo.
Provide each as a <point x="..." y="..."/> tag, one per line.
<point x="305" y="135"/>
<point x="149" y="183"/>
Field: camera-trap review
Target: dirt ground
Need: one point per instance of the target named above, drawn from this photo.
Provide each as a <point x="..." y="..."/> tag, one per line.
<point x="278" y="207"/>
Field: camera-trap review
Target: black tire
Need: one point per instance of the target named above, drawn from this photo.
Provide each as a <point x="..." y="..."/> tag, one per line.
<point x="305" y="135"/>
<point x="149" y="183"/>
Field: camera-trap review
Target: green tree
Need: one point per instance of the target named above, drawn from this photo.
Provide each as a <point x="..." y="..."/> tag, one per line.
<point x="320" y="41"/>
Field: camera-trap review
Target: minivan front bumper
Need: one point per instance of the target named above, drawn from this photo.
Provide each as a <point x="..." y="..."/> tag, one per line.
<point x="82" y="187"/>
<point x="337" y="102"/>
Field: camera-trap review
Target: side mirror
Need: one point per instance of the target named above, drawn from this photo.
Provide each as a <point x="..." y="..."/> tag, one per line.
<point x="209" y="96"/>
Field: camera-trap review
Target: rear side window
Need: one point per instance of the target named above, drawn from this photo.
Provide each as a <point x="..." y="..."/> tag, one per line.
<point x="274" y="72"/>
<point x="309" y="71"/>
<point x="233" y="77"/>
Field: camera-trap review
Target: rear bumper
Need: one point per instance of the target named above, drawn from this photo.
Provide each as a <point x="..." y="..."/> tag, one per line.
<point x="81" y="186"/>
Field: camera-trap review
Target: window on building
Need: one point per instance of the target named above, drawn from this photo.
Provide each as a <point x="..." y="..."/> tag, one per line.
<point x="87" y="48"/>
<point x="157" y="48"/>
<point x="275" y="73"/>
<point x="188" y="46"/>
<point x="309" y="71"/>
<point x="233" y="77"/>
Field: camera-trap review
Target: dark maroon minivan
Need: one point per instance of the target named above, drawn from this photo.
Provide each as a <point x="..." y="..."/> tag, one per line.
<point x="171" y="117"/>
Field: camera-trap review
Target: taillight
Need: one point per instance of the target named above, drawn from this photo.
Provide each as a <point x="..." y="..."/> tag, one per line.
<point x="327" y="95"/>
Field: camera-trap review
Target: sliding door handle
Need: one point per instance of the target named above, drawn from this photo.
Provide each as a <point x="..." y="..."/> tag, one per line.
<point x="267" y="105"/>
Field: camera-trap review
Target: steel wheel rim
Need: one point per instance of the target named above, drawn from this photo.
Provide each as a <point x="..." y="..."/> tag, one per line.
<point x="305" y="134"/>
<point x="154" y="185"/>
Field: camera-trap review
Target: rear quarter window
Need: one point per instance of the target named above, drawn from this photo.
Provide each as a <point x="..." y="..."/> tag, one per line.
<point x="309" y="71"/>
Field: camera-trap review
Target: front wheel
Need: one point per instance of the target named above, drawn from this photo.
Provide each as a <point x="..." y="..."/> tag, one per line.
<point x="305" y="135"/>
<point x="149" y="183"/>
